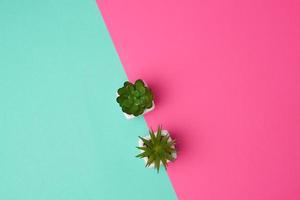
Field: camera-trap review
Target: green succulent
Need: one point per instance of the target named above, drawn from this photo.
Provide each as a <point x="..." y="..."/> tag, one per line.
<point x="135" y="98"/>
<point x="157" y="149"/>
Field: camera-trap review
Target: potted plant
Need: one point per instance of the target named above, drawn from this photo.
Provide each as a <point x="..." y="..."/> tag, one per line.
<point x="135" y="98"/>
<point x="157" y="149"/>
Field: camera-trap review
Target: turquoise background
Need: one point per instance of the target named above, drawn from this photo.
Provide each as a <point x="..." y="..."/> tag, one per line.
<point x="62" y="135"/>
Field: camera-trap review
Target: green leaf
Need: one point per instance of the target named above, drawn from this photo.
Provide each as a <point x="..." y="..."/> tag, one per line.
<point x="152" y="135"/>
<point x="144" y="154"/>
<point x="158" y="135"/>
<point x="149" y="105"/>
<point x="164" y="161"/>
<point x="119" y="99"/>
<point x="141" y="88"/>
<point x="164" y="139"/>
<point x="142" y="148"/>
<point x="157" y="164"/>
<point x="121" y="91"/>
<point x="150" y="161"/>
<point x="131" y="88"/>
<point x="139" y="82"/>
<point x="126" y="110"/>
<point x="126" y="83"/>
<point x="146" y="142"/>
<point x="138" y="112"/>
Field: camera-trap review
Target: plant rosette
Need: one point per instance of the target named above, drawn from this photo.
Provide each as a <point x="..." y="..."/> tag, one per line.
<point x="135" y="99"/>
<point x="161" y="149"/>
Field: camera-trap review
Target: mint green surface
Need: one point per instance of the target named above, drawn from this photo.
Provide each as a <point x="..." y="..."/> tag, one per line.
<point x="62" y="135"/>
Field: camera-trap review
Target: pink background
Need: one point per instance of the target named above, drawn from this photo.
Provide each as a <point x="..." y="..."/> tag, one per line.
<point x="226" y="79"/>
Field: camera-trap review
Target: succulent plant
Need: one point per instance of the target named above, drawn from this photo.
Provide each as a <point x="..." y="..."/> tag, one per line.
<point x="158" y="149"/>
<point x="135" y="98"/>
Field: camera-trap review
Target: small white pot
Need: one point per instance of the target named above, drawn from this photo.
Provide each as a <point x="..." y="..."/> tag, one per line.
<point x="145" y="111"/>
<point x="141" y="144"/>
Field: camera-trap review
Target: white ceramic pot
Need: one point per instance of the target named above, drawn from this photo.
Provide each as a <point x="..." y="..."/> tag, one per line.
<point x="145" y="111"/>
<point x="141" y="144"/>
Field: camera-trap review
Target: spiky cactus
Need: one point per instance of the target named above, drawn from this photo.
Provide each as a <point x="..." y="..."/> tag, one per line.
<point x="157" y="149"/>
<point x="135" y="98"/>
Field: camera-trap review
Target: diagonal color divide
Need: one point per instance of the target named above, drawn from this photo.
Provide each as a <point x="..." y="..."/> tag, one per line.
<point x="226" y="79"/>
<point x="62" y="135"/>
